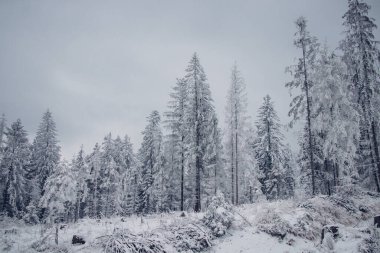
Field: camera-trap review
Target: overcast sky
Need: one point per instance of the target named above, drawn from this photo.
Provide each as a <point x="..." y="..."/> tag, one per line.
<point x="103" y="66"/>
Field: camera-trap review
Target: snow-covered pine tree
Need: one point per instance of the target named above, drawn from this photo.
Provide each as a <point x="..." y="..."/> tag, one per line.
<point x="287" y="182"/>
<point x="2" y="145"/>
<point x="172" y="176"/>
<point x="59" y="194"/>
<point x="215" y="160"/>
<point x="303" y="160"/>
<point x="129" y="164"/>
<point x="301" y="104"/>
<point x="45" y="150"/>
<point x="93" y="162"/>
<point x="178" y="128"/>
<point x="213" y="175"/>
<point x="13" y="169"/>
<point x="199" y="115"/>
<point x="361" y="56"/>
<point x="150" y="156"/>
<point x="110" y="179"/>
<point x="236" y="117"/>
<point x="251" y="184"/>
<point x="80" y="172"/>
<point x="3" y="125"/>
<point x="269" y="149"/>
<point x="336" y="119"/>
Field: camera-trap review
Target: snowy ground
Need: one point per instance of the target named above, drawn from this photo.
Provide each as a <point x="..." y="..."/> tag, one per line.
<point x="245" y="238"/>
<point x="294" y="228"/>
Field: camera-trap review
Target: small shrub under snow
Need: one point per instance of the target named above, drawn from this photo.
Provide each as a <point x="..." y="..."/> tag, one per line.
<point x="219" y="216"/>
<point x="271" y="223"/>
<point x="189" y="237"/>
<point x="46" y="244"/>
<point x="124" y="241"/>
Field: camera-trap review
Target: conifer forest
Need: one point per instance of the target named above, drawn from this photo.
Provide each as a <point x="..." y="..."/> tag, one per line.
<point x="198" y="177"/>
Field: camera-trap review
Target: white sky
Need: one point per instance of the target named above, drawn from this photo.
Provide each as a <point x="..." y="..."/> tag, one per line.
<point x="103" y="66"/>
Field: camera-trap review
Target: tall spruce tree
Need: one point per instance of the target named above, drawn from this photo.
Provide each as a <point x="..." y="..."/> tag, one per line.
<point x="361" y="56"/>
<point x="301" y="104"/>
<point x="2" y="146"/>
<point x="14" y="169"/>
<point x="269" y="150"/>
<point x="178" y="128"/>
<point x="199" y="115"/>
<point x="3" y="126"/>
<point x="45" y="150"/>
<point x="336" y="121"/>
<point x="80" y="172"/>
<point x="110" y="181"/>
<point x="129" y="162"/>
<point x="215" y="160"/>
<point x="150" y="155"/>
<point x="288" y="182"/>
<point x="59" y="194"/>
<point x="93" y="162"/>
<point x="236" y="117"/>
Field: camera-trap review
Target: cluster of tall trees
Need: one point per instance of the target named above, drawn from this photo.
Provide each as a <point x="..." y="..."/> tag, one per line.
<point x="185" y="157"/>
<point x="26" y="168"/>
<point x="337" y="96"/>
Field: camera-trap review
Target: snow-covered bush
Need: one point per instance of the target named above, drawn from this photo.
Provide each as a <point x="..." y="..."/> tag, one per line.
<point x="7" y="243"/>
<point x="189" y="237"/>
<point x="305" y="227"/>
<point x="271" y="223"/>
<point x="31" y="216"/>
<point x="328" y="243"/>
<point x="124" y="241"/>
<point x="219" y="215"/>
<point x="369" y="245"/>
<point x="45" y="244"/>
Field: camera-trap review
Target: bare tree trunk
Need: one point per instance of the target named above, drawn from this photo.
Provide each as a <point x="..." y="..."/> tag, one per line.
<point x="308" y="109"/>
<point x="182" y="172"/>
<point x="250" y="194"/>
<point x="56" y="234"/>
<point x="198" y="158"/>
<point x="78" y="209"/>
<point x="237" y="171"/>
<point x="216" y="181"/>
<point x="232" y="171"/>
<point x="376" y="153"/>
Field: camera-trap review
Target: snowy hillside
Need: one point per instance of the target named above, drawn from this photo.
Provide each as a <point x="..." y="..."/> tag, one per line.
<point x="281" y="226"/>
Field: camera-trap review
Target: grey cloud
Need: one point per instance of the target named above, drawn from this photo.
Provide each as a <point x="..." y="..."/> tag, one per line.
<point x="102" y="66"/>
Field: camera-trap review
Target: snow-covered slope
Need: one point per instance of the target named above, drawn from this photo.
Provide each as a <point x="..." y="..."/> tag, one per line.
<point x="283" y="226"/>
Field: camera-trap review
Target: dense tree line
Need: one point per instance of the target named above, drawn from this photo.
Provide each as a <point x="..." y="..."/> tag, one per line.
<point x="185" y="157"/>
<point x="338" y="98"/>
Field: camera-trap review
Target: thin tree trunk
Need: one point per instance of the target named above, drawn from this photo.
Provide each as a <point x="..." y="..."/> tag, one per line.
<point x="308" y="109"/>
<point x="216" y="181"/>
<point x="270" y="162"/>
<point x="232" y="171"/>
<point x="236" y="169"/>
<point x="198" y="164"/>
<point x="182" y="172"/>
<point x="250" y="194"/>
<point x="376" y="152"/>
<point x="77" y="211"/>
<point x="56" y="234"/>
<point x="236" y="148"/>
